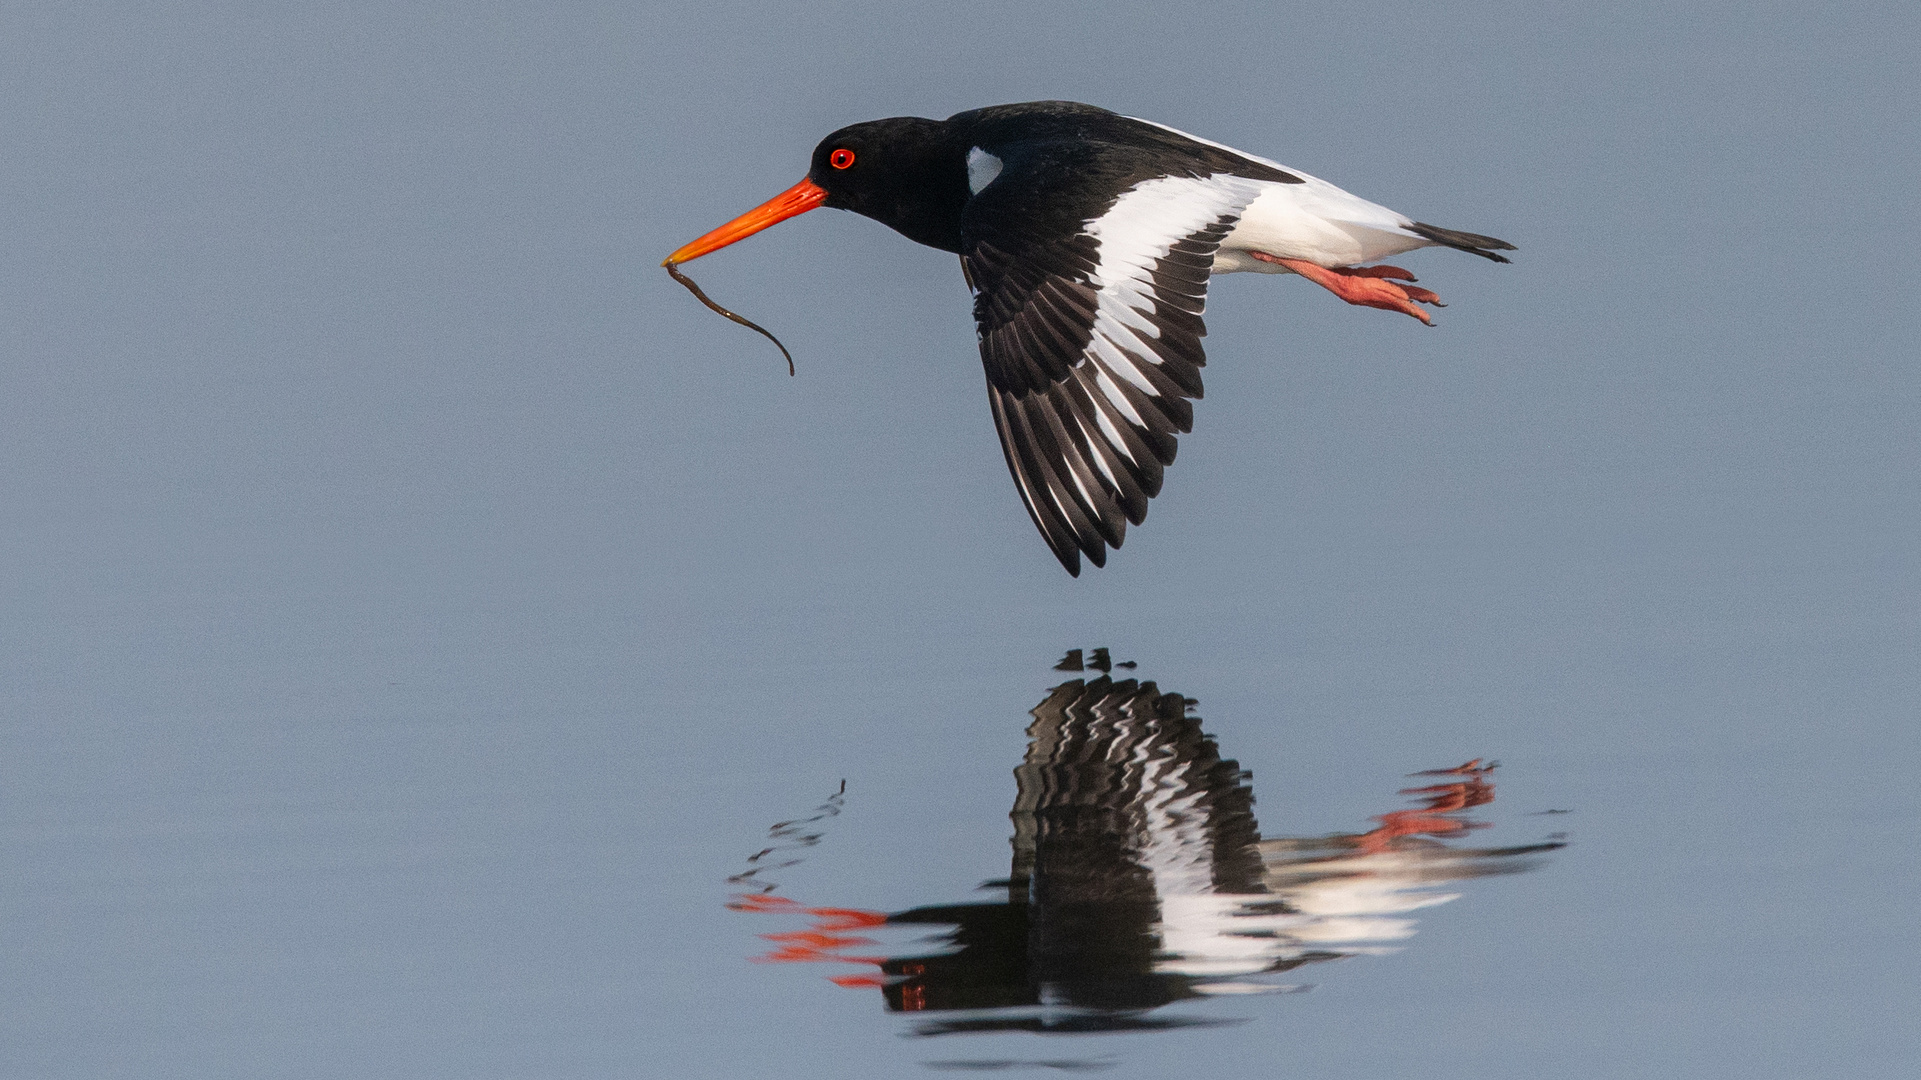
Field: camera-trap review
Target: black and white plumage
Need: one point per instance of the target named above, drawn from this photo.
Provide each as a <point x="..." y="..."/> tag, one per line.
<point x="1092" y="345"/>
<point x="1088" y="239"/>
<point x="1140" y="879"/>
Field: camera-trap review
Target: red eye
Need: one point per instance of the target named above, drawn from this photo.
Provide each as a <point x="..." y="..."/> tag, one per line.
<point x="841" y="159"/>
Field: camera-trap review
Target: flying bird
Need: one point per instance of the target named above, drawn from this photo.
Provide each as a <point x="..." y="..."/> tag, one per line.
<point x="1087" y="239"/>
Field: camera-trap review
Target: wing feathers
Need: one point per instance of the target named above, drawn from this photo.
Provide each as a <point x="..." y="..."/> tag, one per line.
<point x="1040" y="460"/>
<point x="1092" y="347"/>
<point x="1040" y="506"/>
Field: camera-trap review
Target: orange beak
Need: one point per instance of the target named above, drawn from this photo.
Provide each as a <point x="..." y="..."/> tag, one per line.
<point x="798" y="199"/>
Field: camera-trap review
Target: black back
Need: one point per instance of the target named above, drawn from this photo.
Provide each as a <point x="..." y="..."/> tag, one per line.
<point x="910" y="173"/>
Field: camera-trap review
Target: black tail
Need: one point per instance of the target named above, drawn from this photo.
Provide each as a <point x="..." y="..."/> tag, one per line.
<point x="1472" y="243"/>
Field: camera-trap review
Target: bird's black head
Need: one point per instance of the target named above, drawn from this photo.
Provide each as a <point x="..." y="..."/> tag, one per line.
<point x="905" y="172"/>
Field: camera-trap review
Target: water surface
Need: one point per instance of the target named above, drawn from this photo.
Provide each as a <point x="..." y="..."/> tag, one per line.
<point x="1140" y="880"/>
<point x="415" y="609"/>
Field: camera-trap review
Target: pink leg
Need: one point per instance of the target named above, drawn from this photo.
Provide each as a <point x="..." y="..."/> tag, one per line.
<point x="1364" y="285"/>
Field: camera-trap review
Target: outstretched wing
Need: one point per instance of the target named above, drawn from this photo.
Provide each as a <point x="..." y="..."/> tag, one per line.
<point x="1090" y="330"/>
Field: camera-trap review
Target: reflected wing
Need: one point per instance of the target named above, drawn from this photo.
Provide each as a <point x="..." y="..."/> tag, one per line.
<point x="1091" y="335"/>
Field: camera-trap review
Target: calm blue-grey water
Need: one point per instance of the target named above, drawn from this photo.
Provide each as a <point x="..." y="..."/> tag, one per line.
<point x="415" y="609"/>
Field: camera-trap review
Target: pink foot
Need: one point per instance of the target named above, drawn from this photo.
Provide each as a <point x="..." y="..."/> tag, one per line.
<point x="1364" y="285"/>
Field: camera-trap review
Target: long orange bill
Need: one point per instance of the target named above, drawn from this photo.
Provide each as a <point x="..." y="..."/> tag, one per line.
<point x="798" y="199"/>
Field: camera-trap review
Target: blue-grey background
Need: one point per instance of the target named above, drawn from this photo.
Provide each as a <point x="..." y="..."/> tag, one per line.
<point x="413" y="605"/>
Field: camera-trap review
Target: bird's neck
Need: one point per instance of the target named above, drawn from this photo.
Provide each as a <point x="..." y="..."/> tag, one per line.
<point x="927" y="191"/>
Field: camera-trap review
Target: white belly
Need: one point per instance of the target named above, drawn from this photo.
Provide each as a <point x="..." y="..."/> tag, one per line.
<point x="1317" y="222"/>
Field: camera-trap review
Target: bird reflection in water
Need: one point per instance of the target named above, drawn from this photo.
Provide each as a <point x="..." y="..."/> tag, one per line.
<point x="1140" y="879"/>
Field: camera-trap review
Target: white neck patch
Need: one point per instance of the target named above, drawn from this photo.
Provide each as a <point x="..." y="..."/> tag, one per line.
<point x="982" y="168"/>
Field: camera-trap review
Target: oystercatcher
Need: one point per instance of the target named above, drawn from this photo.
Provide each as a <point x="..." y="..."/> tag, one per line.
<point x="1087" y="238"/>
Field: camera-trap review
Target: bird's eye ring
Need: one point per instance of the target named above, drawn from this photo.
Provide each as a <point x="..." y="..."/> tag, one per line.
<point x="841" y="159"/>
